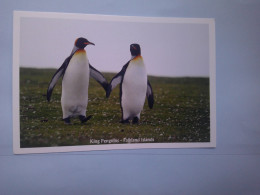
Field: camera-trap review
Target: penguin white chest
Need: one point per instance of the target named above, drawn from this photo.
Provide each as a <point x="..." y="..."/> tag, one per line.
<point x="134" y="88"/>
<point x="75" y="84"/>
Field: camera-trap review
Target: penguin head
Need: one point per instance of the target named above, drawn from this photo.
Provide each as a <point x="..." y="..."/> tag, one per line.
<point x="135" y="49"/>
<point x="81" y="43"/>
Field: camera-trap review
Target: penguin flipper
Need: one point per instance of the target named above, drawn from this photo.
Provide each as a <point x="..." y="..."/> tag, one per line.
<point x="98" y="76"/>
<point x="59" y="73"/>
<point x="149" y="95"/>
<point x="116" y="79"/>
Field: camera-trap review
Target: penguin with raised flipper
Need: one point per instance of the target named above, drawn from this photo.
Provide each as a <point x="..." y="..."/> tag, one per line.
<point x="134" y="87"/>
<point x="76" y="71"/>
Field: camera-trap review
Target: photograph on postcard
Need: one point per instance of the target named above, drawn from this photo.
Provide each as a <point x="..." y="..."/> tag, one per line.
<point x="112" y="80"/>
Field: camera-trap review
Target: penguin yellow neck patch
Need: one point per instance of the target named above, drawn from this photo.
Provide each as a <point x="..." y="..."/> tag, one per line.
<point x="137" y="58"/>
<point x="80" y="51"/>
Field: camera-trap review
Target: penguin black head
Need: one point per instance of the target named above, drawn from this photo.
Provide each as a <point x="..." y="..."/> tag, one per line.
<point x="135" y="49"/>
<point x="81" y="43"/>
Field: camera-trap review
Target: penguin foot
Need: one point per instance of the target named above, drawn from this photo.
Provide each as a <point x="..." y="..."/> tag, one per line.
<point x="67" y="121"/>
<point x="135" y="120"/>
<point x="125" y="121"/>
<point x="84" y="119"/>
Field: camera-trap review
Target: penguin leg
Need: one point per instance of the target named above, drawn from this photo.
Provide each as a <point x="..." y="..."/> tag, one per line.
<point x="125" y="117"/>
<point x="84" y="119"/>
<point x="67" y="121"/>
<point x="135" y="120"/>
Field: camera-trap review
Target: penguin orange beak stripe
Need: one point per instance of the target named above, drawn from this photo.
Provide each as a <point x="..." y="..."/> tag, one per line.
<point x="88" y="43"/>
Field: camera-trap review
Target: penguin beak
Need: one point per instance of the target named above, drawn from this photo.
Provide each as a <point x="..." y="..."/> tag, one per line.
<point x="89" y="43"/>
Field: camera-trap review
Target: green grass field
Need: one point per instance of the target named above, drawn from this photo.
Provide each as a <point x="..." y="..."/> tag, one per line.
<point x="180" y="113"/>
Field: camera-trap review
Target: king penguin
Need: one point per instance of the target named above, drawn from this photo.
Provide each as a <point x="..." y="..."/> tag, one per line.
<point x="134" y="87"/>
<point x="76" y="71"/>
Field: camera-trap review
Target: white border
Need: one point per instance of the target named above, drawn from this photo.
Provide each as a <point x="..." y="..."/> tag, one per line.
<point x="16" y="47"/>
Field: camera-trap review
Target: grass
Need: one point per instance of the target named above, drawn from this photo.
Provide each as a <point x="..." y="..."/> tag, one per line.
<point x="180" y="113"/>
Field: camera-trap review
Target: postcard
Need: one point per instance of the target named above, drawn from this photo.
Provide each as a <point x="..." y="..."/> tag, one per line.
<point x="84" y="82"/>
